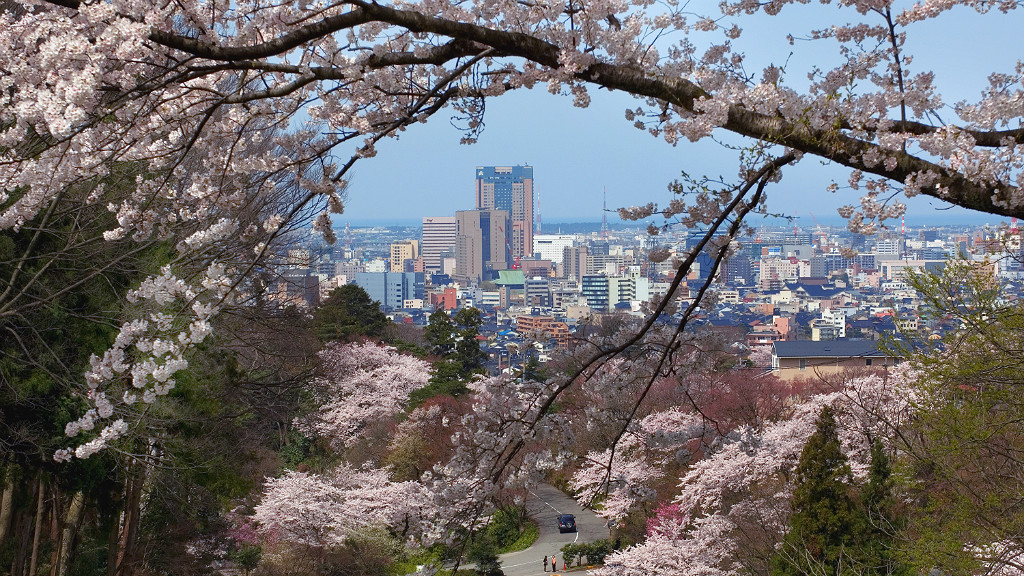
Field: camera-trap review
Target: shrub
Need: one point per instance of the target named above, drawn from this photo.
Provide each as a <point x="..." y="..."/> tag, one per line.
<point x="594" y="552"/>
<point x="597" y="550"/>
<point x="571" y="552"/>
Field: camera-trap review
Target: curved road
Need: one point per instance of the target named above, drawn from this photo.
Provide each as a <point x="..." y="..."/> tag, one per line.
<point x="544" y="506"/>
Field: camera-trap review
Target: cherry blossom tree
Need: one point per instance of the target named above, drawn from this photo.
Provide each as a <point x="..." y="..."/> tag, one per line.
<point x="319" y="510"/>
<point x="360" y="384"/>
<point x="634" y="444"/>
<point x="227" y="103"/>
<point x="733" y="507"/>
<point x="621" y="477"/>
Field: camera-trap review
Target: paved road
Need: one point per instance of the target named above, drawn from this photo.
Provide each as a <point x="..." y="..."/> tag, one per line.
<point x="544" y="506"/>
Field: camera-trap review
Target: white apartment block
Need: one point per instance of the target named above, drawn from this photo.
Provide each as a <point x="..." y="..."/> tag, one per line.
<point x="552" y="246"/>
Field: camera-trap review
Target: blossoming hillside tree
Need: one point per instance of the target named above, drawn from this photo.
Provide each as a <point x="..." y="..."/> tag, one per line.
<point x="362" y="384"/>
<point x="222" y="106"/>
<point x="361" y="388"/>
<point x="87" y="84"/>
<point x="732" y="508"/>
<point x="438" y="494"/>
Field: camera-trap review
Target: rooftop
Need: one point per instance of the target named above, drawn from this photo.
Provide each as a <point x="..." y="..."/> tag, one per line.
<point x="828" y="349"/>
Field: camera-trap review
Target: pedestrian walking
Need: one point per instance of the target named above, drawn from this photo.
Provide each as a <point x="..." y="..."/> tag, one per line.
<point x="554" y="563"/>
<point x="545" y="562"/>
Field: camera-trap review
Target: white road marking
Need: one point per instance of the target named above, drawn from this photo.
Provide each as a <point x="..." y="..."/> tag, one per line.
<point x="545" y="502"/>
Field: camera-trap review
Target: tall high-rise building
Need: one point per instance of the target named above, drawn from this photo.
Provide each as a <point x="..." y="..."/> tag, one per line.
<point x="402" y="251"/>
<point x="509" y="188"/>
<point x="439" y="234"/>
<point x="481" y="247"/>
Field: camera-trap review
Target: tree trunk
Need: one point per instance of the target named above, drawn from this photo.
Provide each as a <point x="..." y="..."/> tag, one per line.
<point x="6" y="506"/>
<point x="132" y="517"/>
<point x="113" y="539"/>
<point x="56" y="513"/>
<point x="23" y="534"/>
<point x="33" y="563"/>
<point x="72" y="521"/>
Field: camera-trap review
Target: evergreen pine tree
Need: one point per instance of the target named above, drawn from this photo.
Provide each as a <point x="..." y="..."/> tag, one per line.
<point x="875" y="551"/>
<point x="349" y="312"/>
<point x="826" y="521"/>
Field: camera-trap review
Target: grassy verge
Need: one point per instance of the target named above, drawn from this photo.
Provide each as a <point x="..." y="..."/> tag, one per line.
<point x="525" y="540"/>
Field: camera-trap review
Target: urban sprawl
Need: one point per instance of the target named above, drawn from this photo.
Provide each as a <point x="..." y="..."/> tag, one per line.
<point x="820" y="296"/>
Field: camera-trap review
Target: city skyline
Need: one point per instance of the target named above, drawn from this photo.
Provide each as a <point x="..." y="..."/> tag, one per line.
<point x="576" y="153"/>
<point x="575" y="193"/>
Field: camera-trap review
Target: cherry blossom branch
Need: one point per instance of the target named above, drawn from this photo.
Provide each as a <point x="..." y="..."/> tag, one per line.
<point x="921" y="175"/>
<point x="761" y="178"/>
<point x="736" y="210"/>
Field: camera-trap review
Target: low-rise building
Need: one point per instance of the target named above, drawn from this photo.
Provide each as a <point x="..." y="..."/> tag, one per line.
<point x="544" y="327"/>
<point x="808" y="359"/>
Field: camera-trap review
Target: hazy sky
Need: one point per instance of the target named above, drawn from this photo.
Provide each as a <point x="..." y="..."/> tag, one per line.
<point x="577" y="153"/>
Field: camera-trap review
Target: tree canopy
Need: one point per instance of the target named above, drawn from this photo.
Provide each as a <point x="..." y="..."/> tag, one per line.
<point x="248" y="116"/>
<point x="212" y="128"/>
<point x="348" y="312"/>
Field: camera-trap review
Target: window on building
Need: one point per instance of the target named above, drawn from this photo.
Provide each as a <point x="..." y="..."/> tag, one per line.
<point x="803" y="364"/>
<point x="868" y="361"/>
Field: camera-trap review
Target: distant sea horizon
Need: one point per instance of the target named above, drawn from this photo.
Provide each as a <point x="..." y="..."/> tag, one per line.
<point x="550" y="226"/>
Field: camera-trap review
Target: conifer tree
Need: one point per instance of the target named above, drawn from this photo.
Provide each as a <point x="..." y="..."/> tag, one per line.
<point x="349" y="312"/>
<point x="875" y="552"/>
<point x="826" y="520"/>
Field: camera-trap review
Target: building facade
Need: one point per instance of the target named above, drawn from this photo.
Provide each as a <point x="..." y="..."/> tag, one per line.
<point x="552" y="247"/>
<point x="538" y="327"/>
<point x="481" y="247"/>
<point x="509" y="188"/>
<point x="391" y="289"/>
<point x="439" y="236"/>
<point x="603" y="293"/>
<point x="809" y="359"/>
<point x="403" y="251"/>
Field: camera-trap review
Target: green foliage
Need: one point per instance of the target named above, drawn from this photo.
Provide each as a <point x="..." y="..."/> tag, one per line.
<point x="454" y="340"/>
<point x="598" y="550"/>
<point x="348" y="312"/>
<point x="483" y="551"/>
<point x="825" y="518"/>
<point x="467" y="348"/>
<point x="247" y="557"/>
<point x="511" y="529"/>
<point x="504" y="527"/>
<point x="877" y="543"/>
<point x="831" y="531"/>
<point x="296" y="449"/>
<point x="533" y="370"/>
<point x="969" y="429"/>
<point x="526" y="538"/>
<point x="446" y="385"/>
<point x="591" y="552"/>
<point x="440" y="333"/>
<point x="435" y="555"/>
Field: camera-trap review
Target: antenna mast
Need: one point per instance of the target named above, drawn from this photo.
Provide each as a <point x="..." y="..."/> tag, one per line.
<point x="536" y="197"/>
<point x="604" y="213"/>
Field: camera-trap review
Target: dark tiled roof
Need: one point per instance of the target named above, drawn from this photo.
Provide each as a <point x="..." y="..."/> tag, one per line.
<point x="818" y="291"/>
<point x="827" y="349"/>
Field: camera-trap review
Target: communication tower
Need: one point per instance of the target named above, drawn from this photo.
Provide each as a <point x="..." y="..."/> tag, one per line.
<point x="604" y="213"/>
